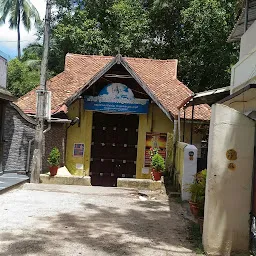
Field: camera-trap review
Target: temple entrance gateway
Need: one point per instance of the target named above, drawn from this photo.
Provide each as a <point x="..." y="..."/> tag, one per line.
<point x="113" y="148"/>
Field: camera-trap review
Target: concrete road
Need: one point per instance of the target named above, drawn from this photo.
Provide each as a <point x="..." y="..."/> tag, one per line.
<point x="92" y="221"/>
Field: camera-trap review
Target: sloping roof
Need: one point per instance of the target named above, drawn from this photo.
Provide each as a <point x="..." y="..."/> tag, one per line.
<point x="159" y="78"/>
<point x="6" y="95"/>
<point x="239" y="28"/>
<point x="207" y="97"/>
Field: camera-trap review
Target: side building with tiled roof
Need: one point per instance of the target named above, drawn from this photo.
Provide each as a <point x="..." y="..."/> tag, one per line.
<point x="120" y="107"/>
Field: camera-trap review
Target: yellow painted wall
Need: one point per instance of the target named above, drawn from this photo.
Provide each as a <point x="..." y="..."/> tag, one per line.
<point x="154" y="121"/>
<point x="78" y="134"/>
<point x="179" y="159"/>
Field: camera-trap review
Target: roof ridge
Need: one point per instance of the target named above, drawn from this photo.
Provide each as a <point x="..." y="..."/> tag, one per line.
<point x="150" y="59"/>
<point x="89" y="56"/>
<point x="125" y="57"/>
<point x="157" y="77"/>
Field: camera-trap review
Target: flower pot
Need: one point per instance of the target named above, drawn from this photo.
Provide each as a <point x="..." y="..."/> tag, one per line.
<point x="194" y="208"/>
<point x="201" y="224"/>
<point x="156" y="175"/>
<point x="53" y="170"/>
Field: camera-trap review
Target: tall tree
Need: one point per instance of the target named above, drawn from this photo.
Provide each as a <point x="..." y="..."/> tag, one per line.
<point x="193" y="31"/>
<point x="21" y="77"/>
<point x="98" y="27"/>
<point x="18" y="11"/>
<point x="205" y="55"/>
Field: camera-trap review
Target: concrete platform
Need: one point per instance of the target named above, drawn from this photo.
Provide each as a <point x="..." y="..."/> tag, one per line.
<point x="139" y="183"/>
<point x="11" y="180"/>
<point x="65" y="180"/>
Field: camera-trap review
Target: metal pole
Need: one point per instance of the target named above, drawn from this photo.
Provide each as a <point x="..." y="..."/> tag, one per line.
<point x="246" y="12"/>
<point x="36" y="167"/>
<point x="184" y="124"/>
<point x="192" y="124"/>
<point x="179" y="125"/>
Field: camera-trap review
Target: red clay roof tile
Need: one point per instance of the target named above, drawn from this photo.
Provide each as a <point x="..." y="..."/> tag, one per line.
<point x="160" y="76"/>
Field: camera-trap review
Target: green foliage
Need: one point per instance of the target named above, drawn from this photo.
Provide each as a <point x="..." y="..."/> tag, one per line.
<point x="21" y="78"/>
<point x="14" y="8"/>
<point x="195" y="237"/>
<point x="195" y="32"/>
<point x="197" y="189"/>
<point x="158" y="163"/>
<point x="99" y="27"/>
<point x="54" y="157"/>
<point x="24" y="74"/>
<point x="206" y="56"/>
<point x="32" y="51"/>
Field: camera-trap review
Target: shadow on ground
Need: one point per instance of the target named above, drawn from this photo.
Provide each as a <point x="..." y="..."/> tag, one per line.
<point x="143" y="228"/>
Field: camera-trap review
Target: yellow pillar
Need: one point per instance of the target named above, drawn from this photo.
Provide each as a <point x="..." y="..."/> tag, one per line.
<point x="79" y="134"/>
<point x="143" y="125"/>
<point x="88" y="141"/>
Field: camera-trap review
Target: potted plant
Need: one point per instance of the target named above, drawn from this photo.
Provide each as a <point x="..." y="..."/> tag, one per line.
<point x="158" y="166"/>
<point x="193" y="203"/>
<point x="201" y="179"/>
<point x="197" y="190"/>
<point x="54" y="161"/>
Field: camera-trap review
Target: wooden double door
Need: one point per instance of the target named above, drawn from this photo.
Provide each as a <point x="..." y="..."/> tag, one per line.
<point x="113" y="148"/>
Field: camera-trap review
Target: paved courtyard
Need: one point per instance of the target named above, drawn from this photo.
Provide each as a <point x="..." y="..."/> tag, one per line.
<point x="92" y="221"/>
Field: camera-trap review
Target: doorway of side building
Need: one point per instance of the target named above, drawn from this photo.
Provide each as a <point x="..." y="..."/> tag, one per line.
<point x="113" y="148"/>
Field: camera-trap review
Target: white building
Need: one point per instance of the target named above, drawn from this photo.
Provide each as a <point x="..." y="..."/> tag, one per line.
<point x="3" y="72"/>
<point x="230" y="208"/>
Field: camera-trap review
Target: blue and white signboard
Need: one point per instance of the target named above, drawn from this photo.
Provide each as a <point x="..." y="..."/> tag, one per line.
<point x="116" y="98"/>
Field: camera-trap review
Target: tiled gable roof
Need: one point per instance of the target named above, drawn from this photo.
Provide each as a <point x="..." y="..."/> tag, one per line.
<point x="159" y="76"/>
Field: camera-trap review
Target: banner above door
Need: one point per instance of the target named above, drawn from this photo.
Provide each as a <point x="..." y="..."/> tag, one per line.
<point x="116" y="98"/>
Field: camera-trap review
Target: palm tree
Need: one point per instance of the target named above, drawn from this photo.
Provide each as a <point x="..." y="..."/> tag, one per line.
<point x="18" y="11"/>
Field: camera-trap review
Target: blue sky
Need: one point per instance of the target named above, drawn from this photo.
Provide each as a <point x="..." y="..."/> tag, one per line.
<point x="8" y="37"/>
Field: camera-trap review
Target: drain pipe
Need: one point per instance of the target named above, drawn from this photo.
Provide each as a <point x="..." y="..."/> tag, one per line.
<point x="30" y="142"/>
<point x="179" y="125"/>
<point x="175" y="131"/>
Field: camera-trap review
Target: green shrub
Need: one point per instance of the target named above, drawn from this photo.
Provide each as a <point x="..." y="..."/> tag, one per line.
<point x="158" y="163"/>
<point x="197" y="190"/>
<point x="54" y="157"/>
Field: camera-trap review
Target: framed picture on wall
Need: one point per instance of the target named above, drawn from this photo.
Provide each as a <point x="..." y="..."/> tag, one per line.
<point x="155" y="140"/>
<point x="78" y="150"/>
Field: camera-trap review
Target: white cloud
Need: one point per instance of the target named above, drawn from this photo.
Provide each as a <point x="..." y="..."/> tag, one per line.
<point x="8" y="37"/>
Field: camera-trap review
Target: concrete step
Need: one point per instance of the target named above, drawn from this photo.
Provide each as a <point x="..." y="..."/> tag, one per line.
<point x="65" y="180"/>
<point x="11" y="180"/>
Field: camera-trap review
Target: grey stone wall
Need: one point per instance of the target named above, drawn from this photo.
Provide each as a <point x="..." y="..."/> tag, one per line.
<point x="17" y="133"/>
<point x="56" y="137"/>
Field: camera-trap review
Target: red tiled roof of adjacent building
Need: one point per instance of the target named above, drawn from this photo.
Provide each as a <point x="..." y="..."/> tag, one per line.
<point x="159" y="76"/>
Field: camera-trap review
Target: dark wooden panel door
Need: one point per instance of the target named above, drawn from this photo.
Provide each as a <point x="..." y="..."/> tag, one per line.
<point x="114" y="148"/>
